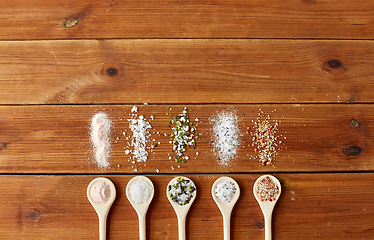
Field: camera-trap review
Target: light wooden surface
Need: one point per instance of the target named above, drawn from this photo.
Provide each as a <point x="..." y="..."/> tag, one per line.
<point x="310" y="60"/>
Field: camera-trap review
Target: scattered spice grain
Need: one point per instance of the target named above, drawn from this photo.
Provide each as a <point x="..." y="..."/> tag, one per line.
<point x="267" y="190"/>
<point x="183" y="134"/>
<point x="265" y="139"/>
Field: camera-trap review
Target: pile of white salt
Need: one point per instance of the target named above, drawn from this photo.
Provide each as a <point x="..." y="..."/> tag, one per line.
<point x="225" y="191"/>
<point x="140" y="191"/>
<point x="225" y="136"/>
<point x="100" y="192"/>
<point x="100" y="130"/>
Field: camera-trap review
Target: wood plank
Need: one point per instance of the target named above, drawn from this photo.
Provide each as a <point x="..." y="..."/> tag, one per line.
<point x="55" y="139"/>
<point x="312" y="206"/>
<point x="67" y="19"/>
<point x="186" y="71"/>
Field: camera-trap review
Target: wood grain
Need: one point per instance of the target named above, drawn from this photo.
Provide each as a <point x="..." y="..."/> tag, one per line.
<point x="312" y="206"/>
<point x="186" y="71"/>
<point x="94" y="19"/>
<point x="55" y="139"/>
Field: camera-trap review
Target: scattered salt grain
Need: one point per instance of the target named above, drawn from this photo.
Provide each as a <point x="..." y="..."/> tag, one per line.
<point x="225" y="136"/>
<point x="225" y="191"/>
<point x="100" y="131"/>
<point x="100" y="192"/>
<point x="140" y="191"/>
<point x="139" y="128"/>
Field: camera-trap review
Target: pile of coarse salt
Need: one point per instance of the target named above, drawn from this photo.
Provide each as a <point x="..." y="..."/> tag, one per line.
<point x="100" y="131"/>
<point x="225" y="136"/>
<point x="139" y="144"/>
<point x="140" y="191"/>
<point x="225" y="191"/>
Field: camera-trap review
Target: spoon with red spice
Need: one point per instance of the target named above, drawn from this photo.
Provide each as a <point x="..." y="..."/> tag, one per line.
<point x="101" y="193"/>
<point x="267" y="190"/>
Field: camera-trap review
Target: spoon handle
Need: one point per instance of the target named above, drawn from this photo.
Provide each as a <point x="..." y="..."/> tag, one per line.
<point x="267" y="218"/>
<point x="226" y="227"/>
<point x="142" y="227"/>
<point x="182" y="228"/>
<point x="102" y="228"/>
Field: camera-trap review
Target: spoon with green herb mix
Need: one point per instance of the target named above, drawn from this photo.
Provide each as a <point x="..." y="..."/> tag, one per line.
<point x="181" y="192"/>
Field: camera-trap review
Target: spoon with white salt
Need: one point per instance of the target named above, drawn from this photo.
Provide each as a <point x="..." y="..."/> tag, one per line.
<point x="140" y="192"/>
<point x="267" y="190"/>
<point x="101" y="193"/>
<point x="225" y="192"/>
<point x="181" y="203"/>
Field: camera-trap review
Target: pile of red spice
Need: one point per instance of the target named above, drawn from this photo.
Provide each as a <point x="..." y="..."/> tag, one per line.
<point x="265" y="139"/>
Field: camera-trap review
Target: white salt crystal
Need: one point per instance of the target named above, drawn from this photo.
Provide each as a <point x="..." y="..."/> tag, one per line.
<point x="226" y="136"/>
<point x="225" y="191"/>
<point x="140" y="191"/>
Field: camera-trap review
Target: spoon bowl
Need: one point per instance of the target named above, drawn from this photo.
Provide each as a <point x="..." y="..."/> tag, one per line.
<point x="102" y="209"/>
<point x="181" y="210"/>
<point x="140" y="208"/>
<point x="267" y="206"/>
<point x="226" y="207"/>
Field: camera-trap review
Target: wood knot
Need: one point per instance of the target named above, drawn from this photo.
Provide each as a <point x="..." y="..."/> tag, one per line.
<point x="111" y="72"/>
<point x="4" y="145"/>
<point x="259" y="224"/>
<point x="334" y="64"/>
<point x="71" y="22"/>
<point x="352" y="151"/>
<point x="354" y="123"/>
<point x="35" y="215"/>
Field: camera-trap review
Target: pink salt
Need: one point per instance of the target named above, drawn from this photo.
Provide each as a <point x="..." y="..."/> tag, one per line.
<point x="100" y="130"/>
<point x="100" y="192"/>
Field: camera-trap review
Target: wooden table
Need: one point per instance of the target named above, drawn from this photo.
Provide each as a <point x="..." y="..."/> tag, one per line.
<point x="310" y="60"/>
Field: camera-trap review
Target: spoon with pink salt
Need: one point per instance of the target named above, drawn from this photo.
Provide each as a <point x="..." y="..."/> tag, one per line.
<point x="101" y="193"/>
<point x="267" y="190"/>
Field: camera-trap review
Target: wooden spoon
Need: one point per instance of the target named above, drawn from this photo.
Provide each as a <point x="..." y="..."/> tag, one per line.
<point x="181" y="210"/>
<point x="141" y="209"/>
<point x="102" y="209"/>
<point x="267" y="206"/>
<point x="226" y="207"/>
